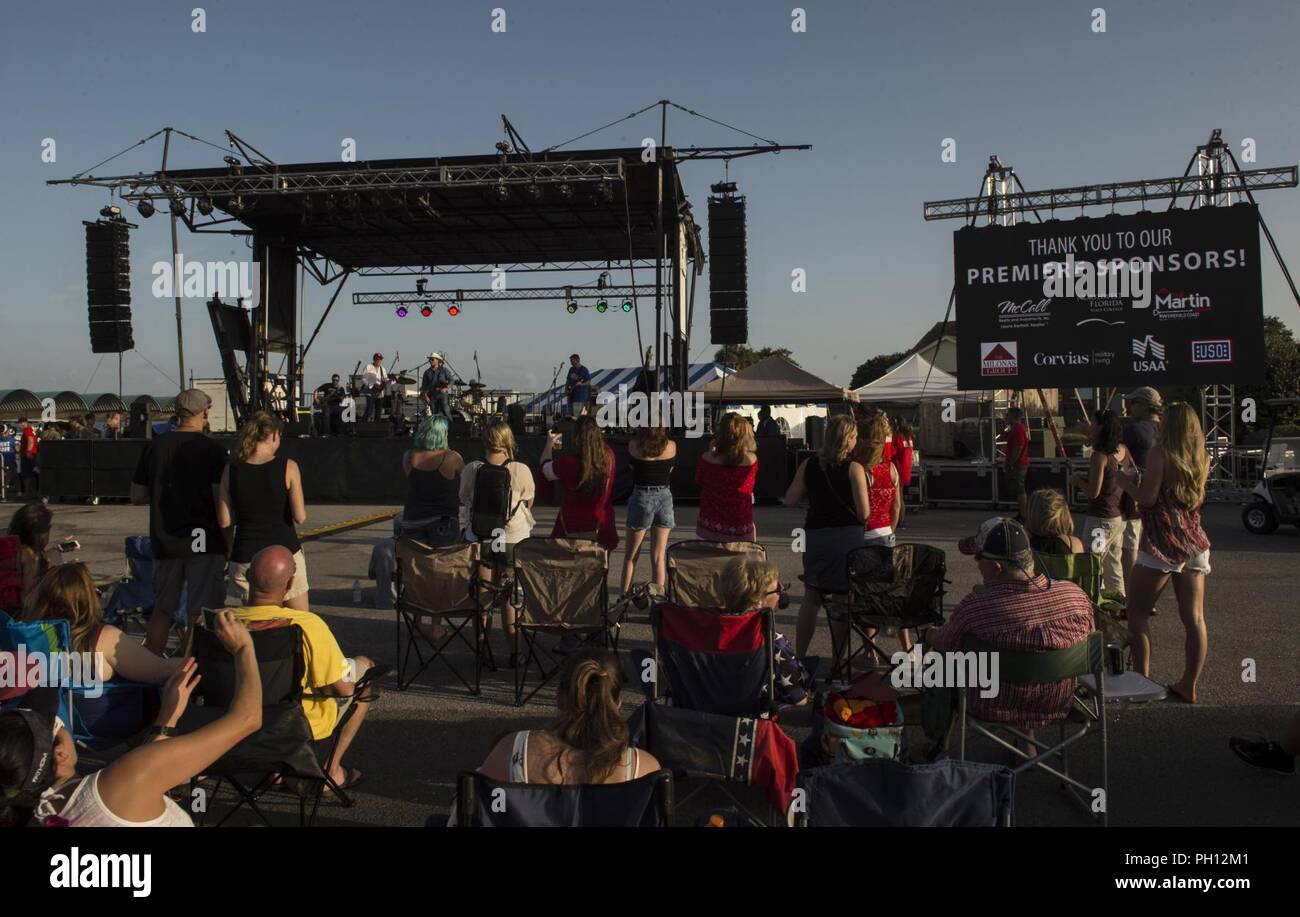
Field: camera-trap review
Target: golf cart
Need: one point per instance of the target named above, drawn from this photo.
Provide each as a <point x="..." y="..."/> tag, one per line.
<point x="1276" y="498"/>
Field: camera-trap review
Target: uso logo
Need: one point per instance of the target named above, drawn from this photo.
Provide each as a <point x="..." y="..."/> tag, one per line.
<point x="1212" y="351"/>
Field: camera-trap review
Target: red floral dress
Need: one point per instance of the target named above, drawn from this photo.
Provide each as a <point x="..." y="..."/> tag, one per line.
<point x="726" y="501"/>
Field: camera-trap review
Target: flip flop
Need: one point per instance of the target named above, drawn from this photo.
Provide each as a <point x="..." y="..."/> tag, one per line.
<point x="351" y="778"/>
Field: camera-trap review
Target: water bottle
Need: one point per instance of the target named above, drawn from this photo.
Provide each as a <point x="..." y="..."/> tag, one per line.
<point x="356" y="592"/>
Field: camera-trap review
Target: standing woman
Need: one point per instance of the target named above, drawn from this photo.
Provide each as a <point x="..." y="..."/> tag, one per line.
<point x="726" y="476"/>
<point x="587" y="474"/>
<point x="259" y="503"/>
<point x="1173" y="544"/>
<point x="1103" y="527"/>
<point x="651" y="504"/>
<point x="431" y="514"/>
<point x="836" y="488"/>
<point x="883" y="490"/>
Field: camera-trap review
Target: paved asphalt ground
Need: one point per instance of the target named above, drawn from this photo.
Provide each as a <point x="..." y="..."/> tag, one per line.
<point x="1169" y="762"/>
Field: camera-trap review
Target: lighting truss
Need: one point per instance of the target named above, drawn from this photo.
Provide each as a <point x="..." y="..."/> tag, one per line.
<point x="1156" y="189"/>
<point x="256" y="181"/>
<point x="518" y="268"/>
<point x="560" y="294"/>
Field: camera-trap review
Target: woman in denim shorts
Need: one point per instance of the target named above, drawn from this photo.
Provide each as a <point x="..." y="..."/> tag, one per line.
<point x="651" y="504"/>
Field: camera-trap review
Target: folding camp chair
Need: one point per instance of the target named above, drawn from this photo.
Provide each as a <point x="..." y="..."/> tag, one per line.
<point x="283" y="749"/>
<point x="712" y="661"/>
<point x="695" y="569"/>
<point x="98" y="716"/>
<point x="439" y="583"/>
<point x="884" y="793"/>
<point x="1087" y="715"/>
<point x="898" y="587"/>
<point x="561" y="588"/>
<point x="714" y="751"/>
<point x="1084" y="570"/>
<point x="646" y="802"/>
<point x="132" y="596"/>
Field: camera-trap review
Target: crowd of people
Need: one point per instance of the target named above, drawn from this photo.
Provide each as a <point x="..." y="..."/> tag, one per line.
<point x="223" y="530"/>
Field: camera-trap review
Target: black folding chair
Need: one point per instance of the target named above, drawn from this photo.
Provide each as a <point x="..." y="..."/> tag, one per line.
<point x="562" y="590"/>
<point x="884" y="793"/>
<point x="439" y="584"/>
<point x="900" y="587"/>
<point x="283" y="749"/>
<point x="646" y="802"/>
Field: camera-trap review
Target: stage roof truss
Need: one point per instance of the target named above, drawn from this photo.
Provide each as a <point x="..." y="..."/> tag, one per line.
<point x="616" y="294"/>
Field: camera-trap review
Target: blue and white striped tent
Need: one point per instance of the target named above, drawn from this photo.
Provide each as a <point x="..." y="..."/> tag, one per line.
<point x="609" y="380"/>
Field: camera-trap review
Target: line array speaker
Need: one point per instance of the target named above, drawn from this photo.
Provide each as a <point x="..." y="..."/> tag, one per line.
<point x="728" y="281"/>
<point x="108" y="286"/>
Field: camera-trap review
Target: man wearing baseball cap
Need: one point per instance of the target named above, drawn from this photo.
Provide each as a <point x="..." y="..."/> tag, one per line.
<point x="1017" y="609"/>
<point x="434" y="386"/>
<point x="178" y="476"/>
<point x="1143" y="406"/>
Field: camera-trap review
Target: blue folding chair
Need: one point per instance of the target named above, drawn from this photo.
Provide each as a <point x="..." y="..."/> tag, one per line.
<point x="884" y="793"/>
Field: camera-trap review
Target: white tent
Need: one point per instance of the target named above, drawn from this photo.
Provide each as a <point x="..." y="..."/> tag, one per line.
<point x="914" y="379"/>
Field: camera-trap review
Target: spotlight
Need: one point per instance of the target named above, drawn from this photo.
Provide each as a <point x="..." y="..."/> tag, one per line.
<point x="146" y="209"/>
<point x="401" y="311"/>
<point x="503" y="193"/>
<point x="535" y="190"/>
<point x="426" y="310"/>
<point x="572" y="307"/>
<point x="627" y="305"/>
<point x="178" y="206"/>
<point x="111" y="212"/>
<point x="607" y="191"/>
<point x="602" y="307"/>
<point x="235" y="165"/>
<point x="566" y="191"/>
<point x="421" y="284"/>
<point x="453" y="310"/>
<point x="205" y="206"/>
<point x="235" y="206"/>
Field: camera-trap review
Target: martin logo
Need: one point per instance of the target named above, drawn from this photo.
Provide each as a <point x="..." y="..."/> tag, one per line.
<point x="1148" y="355"/>
<point x="1180" y="305"/>
<point x="103" y="870"/>
<point x="999" y="359"/>
<point x="1212" y="351"/>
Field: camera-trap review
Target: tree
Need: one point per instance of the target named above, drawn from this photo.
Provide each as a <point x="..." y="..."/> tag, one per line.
<point x="742" y="356"/>
<point x="874" y="368"/>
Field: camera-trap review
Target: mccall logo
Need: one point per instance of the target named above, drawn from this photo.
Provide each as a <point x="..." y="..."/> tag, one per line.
<point x="1180" y="305"/>
<point x="1212" y="351"/>
<point x="999" y="359"/>
<point x="1148" y="355"/>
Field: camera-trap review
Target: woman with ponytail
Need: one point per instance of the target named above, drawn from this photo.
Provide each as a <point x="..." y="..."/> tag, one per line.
<point x="259" y="504"/>
<point x="587" y="743"/>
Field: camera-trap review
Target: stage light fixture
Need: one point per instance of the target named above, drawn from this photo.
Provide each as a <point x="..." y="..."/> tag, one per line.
<point x="627" y="305"/>
<point x="401" y="311"/>
<point x="205" y="206"/>
<point x="178" y="206"/>
<point x="146" y="208"/>
<point x="453" y="310"/>
<point x="607" y="191"/>
<point x="426" y="310"/>
<point x="572" y="307"/>
<point x="111" y="212"/>
<point x="235" y="165"/>
<point x="503" y="192"/>
<point x="535" y="190"/>
<point x="235" y="206"/>
<point x="566" y="190"/>
<point x="602" y="307"/>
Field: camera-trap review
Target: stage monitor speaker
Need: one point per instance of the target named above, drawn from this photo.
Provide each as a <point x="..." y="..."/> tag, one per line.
<point x="372" y="429"/>
<point x="728" y="272"/>
<point x="108" y="286"/>
<point x="814" y="429"/>
<point x="297" y="428"/>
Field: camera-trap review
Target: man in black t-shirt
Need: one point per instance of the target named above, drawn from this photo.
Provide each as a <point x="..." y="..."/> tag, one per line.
<point x="329" y="400"/>
<point x="179" y="476"/>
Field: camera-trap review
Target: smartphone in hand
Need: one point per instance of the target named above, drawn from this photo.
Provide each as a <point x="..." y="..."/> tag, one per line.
<point x="66" y="547"/>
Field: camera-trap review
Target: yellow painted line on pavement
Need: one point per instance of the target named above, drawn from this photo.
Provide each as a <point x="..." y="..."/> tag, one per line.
<point x="347" y="525"/>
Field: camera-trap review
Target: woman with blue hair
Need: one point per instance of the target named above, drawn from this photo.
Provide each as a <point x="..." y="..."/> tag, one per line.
<point x="432" y="511"/>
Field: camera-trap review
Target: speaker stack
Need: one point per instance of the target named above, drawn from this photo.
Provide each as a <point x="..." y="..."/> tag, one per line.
<point x="728" y="296"/>
<point x="108" y="286"/>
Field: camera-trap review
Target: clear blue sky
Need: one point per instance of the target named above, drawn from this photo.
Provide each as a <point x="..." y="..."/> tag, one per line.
<point x="874" y="86"/>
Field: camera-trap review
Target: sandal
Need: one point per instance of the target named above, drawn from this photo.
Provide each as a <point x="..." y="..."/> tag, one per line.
<point x="351" y="777"/>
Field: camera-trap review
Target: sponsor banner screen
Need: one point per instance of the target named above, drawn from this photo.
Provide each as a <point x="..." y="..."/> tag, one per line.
<point x="1160" y="298"/>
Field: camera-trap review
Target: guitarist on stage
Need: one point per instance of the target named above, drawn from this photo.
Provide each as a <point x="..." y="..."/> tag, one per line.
<point x="577" y="386"/>
<point x="434" y="388"/>
<point x="373" y="379"/>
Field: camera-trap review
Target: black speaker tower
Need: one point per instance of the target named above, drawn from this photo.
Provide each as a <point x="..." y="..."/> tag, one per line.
<point x="108" y="285"/>
<point x="728" y="280"/>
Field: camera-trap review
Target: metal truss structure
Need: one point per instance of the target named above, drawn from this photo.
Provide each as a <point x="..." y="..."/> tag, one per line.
<point x="519" y="294"/>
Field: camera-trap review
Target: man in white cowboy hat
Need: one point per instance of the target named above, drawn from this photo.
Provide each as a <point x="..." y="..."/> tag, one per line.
<point x="434" y="386"/>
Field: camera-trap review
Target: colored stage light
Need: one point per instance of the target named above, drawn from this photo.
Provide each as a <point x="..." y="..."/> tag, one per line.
<point x="602" y="306"/>
<point x="453" y="310"/>
<point x="627" y="305"/>
<point x="572" y="307"/>
<point x="401" y="311"/>
<point x="426" y="311"/>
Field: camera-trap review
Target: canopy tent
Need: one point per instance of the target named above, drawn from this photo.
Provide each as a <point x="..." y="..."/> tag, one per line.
<point x="774" y="380"/>
<point x="914" y="379"/>
<point x="609" y="380"/>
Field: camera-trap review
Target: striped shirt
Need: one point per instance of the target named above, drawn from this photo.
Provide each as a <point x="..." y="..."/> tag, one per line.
<point x="1026" y="616"/>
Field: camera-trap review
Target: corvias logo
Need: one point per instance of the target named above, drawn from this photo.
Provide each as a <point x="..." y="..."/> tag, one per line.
<point x="1062" y="359"/>
<point x="1148" y="355"/>
<point x="103" y="870"/>
<point x="1180" y="305"/>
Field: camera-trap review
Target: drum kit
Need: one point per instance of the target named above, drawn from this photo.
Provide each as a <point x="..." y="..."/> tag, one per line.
<point x="473" y="404"/>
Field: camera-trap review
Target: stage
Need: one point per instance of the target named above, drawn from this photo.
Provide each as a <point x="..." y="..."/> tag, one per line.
<point x="353" y="469"/>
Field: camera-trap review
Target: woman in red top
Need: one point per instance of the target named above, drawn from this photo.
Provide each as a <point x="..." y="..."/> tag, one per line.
<point x="726" y="475"/>
<point x="587" y="474"/>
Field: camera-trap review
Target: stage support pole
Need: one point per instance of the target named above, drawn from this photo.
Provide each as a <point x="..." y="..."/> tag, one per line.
<point x="1051" y="424"/>
<point x="176" y="279"/>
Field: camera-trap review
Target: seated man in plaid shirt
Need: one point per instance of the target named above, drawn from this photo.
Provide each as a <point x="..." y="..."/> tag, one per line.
<point x="1017" y="609"/>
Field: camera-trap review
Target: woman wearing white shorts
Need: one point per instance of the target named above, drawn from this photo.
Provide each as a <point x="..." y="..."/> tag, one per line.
<point x="1173" y="543"/>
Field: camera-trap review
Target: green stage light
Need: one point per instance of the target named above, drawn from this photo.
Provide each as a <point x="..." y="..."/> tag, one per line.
<point x="602" y="306"/>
